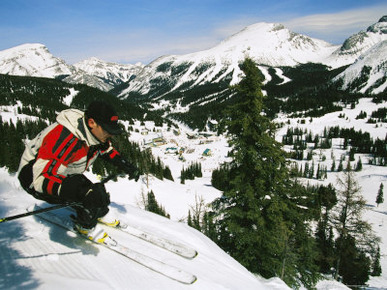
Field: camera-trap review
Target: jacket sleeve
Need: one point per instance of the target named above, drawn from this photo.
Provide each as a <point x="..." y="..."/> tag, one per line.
<point x="57" y="149"/>
<point x="113" y="156"/>
<point x="109" y="153"/>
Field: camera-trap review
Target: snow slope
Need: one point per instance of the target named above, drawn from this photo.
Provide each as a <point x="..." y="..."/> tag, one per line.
<point x="374" y="80"/>
<point x="38" y="255"/>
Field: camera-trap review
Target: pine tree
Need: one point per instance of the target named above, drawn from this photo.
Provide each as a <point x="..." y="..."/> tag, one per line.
<point x="351" y="229"/>
<point x="167" y="173"/>
<point x="333" y="167"/>
<point x="256" y="221"/>
<point x="327" y="199"/>
<point x="153" y="206"/>
<point x="182" y="176"/>
<point x="380" y="198"/>
<point x="354" y="267"/>
<point x="359" y="165"/>
<point x="376" y="267"/>
<point x="340" y="168"/>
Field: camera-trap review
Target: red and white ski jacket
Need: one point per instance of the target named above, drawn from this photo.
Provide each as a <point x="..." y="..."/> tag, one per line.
<point x="65" y="148"/>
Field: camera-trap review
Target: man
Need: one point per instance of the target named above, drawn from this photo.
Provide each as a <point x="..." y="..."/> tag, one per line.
<point x="52" y="165"/>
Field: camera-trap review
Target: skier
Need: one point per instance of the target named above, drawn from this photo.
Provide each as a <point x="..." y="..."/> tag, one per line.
<point x="52" y="165"/>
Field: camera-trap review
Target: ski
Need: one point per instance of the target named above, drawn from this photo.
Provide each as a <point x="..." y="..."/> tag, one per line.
<point x="146" y="261"/>
<point x="167" y="244"/>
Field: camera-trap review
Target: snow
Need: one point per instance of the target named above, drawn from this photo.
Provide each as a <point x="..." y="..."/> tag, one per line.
<point x="268" y="44"/>
<point x="32" y="59"/>
<point x="376" y="59"/>
<point x="38" y="255"/>
<point x="68" y="99"/>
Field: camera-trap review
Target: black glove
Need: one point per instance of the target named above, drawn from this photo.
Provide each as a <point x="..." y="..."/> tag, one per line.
<point x="96" y="197"/>
<point x="129" y="168"/>
<point x="74" y="187"/>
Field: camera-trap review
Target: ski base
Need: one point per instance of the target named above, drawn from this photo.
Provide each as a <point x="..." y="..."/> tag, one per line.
<point x="146" y="261"/>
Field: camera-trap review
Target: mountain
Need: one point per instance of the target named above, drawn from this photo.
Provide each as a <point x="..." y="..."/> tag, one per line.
<point x="268" y="44"/>
<point x="35" y="60"/>
<point x="101" y="74"/>
<point x="32" y="59"/>
<point x="359" y="43"/>
<point x="368" y="74"/>
<point x="271" y="45"/>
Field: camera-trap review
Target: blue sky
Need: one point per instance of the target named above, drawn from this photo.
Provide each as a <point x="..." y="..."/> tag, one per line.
<point x="141" y="30"/>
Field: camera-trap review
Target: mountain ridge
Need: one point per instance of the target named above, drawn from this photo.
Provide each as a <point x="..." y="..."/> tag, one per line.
<point x="268" y="44"/>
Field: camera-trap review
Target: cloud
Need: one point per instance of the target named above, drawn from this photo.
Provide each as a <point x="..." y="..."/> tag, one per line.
<point x="336" y="27"/>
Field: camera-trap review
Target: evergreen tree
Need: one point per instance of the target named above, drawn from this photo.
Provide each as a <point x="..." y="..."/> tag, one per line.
<point x="376" y="267"/>
<point x="340" y="168"/>
<point x="220" y="177"/>
<point x="380" y="198"/>
<point x="209" y="227"/>
<point x="306" y="170"/>
<point x="153" y="206"/>
<point x="333" y="167"/>
<point x="359" y="165"/>
<point x="167" y="173"/>
<point x="354" y="267"/>
<point x="256" y="220"/>
<point x="327" y="199"/>
<point x="352" y="230"/>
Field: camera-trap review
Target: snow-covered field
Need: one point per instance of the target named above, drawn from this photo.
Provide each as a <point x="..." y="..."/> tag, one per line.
<point x="37" y="255"/>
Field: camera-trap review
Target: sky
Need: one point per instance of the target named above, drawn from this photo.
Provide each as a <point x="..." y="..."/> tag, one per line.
<point x="131" y="31"/>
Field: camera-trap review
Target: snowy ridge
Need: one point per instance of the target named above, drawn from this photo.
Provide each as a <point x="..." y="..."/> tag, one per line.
<point x="49" y="257"/>
<point x="269" y="44"/>
<point x="102" y="75"/>
<point x="368" y="73"/>
<point x="32" y="60"/>
<point x="358" y="44"/>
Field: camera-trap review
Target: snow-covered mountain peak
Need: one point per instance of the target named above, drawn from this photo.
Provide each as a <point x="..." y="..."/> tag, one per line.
<point x="273" y="35"/>
<point x="26" y="47"/>
<point x="32" y="59"/>
<point x="94" y="64"/>
<point x="101" y="74"/>
<point x="360" y="42"/>
<point x="274" y="45"/>
<point x="379" y="27"/>
<point x="368" y="73"/>
<point x="268" y="44"/>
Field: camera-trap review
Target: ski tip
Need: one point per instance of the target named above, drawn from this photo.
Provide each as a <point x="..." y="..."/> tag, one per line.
<point x="193" y="255"/>
<point x="194" y="280"/>
<point x="191" y="279"/>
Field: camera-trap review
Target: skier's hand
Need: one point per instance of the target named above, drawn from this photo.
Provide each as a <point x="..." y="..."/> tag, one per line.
<point x="96" y="197"/>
